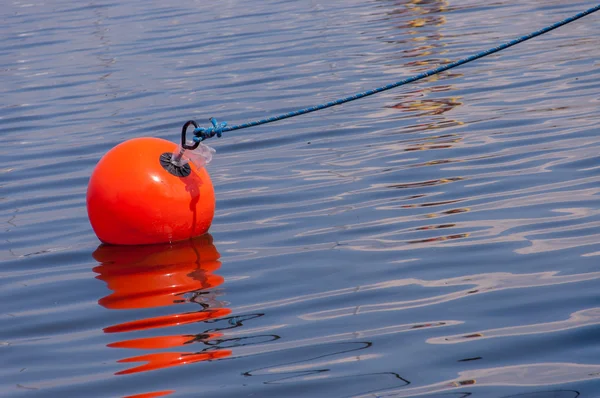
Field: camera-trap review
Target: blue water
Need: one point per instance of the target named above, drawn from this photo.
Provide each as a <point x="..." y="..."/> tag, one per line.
<point x="438" y="240"/>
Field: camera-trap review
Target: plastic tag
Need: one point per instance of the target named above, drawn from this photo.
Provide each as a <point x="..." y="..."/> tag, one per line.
<point x="200" y="157"/>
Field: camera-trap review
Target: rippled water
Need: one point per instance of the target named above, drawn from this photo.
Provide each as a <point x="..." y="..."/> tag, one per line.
<point x="438" y="240"/>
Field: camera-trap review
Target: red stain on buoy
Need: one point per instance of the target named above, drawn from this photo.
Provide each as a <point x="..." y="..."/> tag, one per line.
<point x="132" y="199"/>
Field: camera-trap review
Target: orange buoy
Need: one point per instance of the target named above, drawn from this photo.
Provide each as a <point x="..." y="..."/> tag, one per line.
<point x="137" y="196"/>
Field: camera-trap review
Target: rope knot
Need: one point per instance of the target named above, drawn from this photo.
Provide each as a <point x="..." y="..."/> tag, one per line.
<point x="204" y="133"/>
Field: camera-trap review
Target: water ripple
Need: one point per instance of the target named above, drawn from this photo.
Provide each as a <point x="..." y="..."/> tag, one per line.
<point x="439" y="240"/>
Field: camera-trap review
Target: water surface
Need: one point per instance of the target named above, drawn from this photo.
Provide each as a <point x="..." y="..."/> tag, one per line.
<point x="437" y="240"/>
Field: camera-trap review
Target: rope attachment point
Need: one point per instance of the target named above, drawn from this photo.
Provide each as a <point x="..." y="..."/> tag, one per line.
<point x="184" y="142"/>
<point x="204" y="133"/>
<point x="194" y="151"/>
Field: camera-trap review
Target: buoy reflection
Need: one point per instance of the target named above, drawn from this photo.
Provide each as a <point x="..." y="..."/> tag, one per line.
<point x="159" y="276"/>
<point x="153" y="394"/>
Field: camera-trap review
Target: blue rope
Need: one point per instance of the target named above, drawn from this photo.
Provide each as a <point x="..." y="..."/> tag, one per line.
<point x="202" y="133"/>
<point x="218" y="129"/>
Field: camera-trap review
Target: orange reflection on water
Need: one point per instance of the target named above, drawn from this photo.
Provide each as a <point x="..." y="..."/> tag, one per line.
<point x="167" y="320"/>
<point x="160" y="342"/>
<point x="159" y="276"/>
<point x="156" y="275"/>
<point x="168" y="359"/>
<point x="151" y="394"/>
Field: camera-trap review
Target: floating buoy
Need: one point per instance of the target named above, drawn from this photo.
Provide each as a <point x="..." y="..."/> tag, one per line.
<point x="137" y="195"/>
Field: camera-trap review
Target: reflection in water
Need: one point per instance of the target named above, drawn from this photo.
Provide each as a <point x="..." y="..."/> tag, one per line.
<point x="478" y="284"/>
<point x="157" y="276"/>
<point x="537" y="374"/>
<point x="151" y="394"/>
<point x="420" y="21"/>
<point x="430" y="106"/>
<point x="587" y="317"/>
<point x="423" y="15"/>
<point x="548" y="394"/>
<point x="154" y="276"/>
<point x="324" y="339"/>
